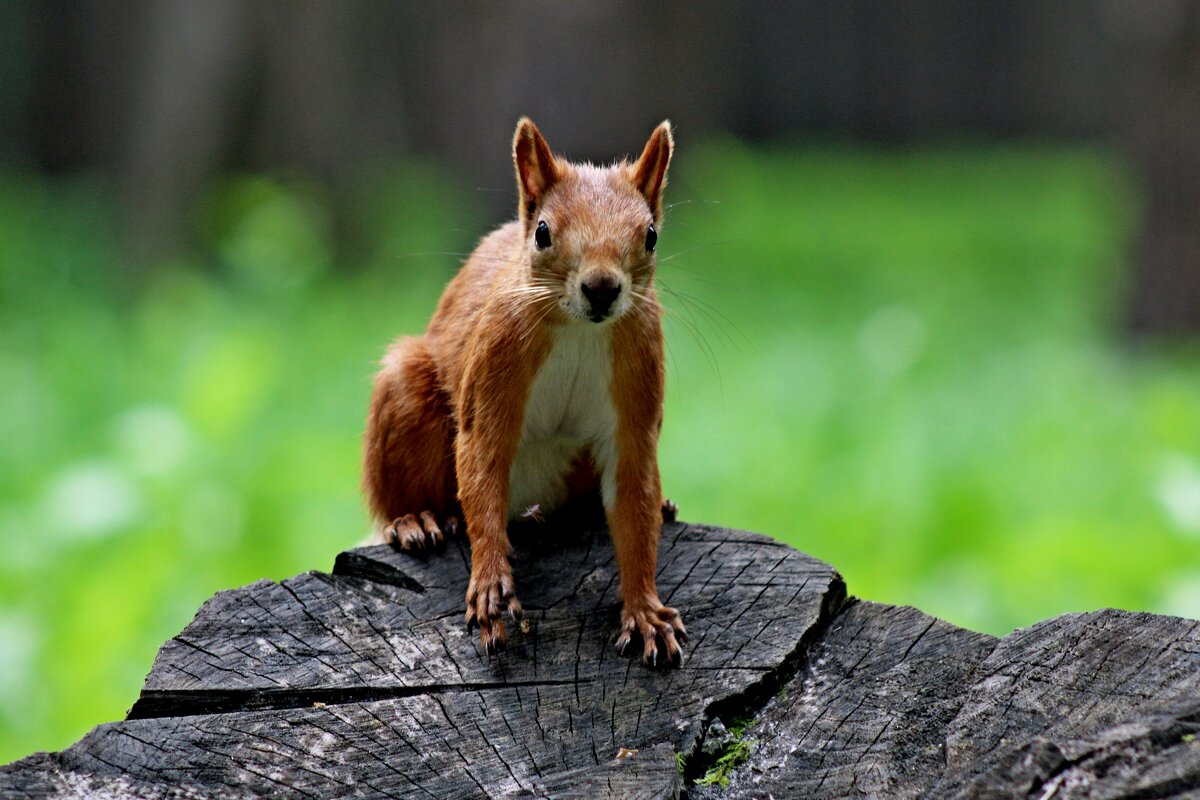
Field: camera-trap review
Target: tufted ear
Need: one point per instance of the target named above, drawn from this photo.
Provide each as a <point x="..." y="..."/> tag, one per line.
<point x="537" y="168"/>
<point x="649" y="174"/>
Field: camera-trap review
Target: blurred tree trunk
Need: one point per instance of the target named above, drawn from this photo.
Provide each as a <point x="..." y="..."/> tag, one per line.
<point x="1159" y="122"/>
<point x="1164" y="137"/>
<point x="191" y="57"/>
<point x="169" y="93"/>
<point x="227" y="83"/>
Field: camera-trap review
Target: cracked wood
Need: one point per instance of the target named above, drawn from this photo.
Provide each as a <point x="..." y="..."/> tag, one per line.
<point x="363" y="682"/>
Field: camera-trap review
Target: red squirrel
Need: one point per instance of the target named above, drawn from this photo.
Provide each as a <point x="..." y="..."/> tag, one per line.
<point x="538" y="381"/>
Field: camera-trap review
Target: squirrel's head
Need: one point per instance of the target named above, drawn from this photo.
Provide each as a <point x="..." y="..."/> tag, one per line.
<point x="591" y="232"/>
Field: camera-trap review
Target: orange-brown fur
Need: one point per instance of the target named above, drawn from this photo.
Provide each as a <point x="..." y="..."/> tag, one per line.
<point x="448" y="417"/>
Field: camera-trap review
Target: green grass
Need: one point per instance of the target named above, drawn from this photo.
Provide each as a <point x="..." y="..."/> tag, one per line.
<point x="734" y="752"/>
<point x="908" y="364"/>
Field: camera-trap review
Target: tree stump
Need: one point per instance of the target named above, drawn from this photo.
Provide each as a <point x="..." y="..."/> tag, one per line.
<point x="364" y="682"/>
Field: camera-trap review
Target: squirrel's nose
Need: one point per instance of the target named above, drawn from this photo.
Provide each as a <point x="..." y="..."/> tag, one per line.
<point x="601" y="292"/>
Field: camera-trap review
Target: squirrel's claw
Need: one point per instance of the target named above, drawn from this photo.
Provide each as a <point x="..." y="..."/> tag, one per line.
<point x="495" y="640"/>
<point x="405" y="533"/>
<point x="655" y="626"/>
<point x="487" y="601"/>
<point x="432" y="532"/>
<point x="418" y="532"/>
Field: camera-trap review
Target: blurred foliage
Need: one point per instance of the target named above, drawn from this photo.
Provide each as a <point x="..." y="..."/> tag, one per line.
<point x="904" y="363"/>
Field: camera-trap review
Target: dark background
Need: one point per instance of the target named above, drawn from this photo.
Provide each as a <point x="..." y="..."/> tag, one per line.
<point x="163" y="95"/>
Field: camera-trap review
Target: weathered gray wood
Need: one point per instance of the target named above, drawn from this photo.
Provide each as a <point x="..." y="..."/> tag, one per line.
<point x="46" y="775"/>
<point x="364" y="682"/>
<point x="644" y="775"/>
<point x="1084" y="705"/>
<point x="387" y="621"/>
<point x="867" y="715"/>
<point x="451" y="744"/>
<point x="406" y="704"/>
<point x="892" y="703"/>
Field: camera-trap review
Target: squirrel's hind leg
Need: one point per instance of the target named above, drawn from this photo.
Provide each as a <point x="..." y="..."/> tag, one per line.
<point x="408" y="451"/>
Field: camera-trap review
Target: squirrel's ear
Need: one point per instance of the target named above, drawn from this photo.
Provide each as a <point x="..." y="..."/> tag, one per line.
<point x="537" y="168"/>
<point x="649" y="174"/>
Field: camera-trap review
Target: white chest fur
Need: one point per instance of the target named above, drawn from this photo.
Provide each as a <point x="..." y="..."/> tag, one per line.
<point x="569" y="408"/>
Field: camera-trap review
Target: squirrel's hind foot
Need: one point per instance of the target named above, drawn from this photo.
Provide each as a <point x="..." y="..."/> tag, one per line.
<point x="419" y="532"/>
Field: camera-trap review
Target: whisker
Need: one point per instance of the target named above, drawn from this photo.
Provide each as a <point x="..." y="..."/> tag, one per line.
<point x="531" y="289"/>
<point x="669" y="208"/>
<point x="545" y="313"/>
<point x="528" y="332"/>
<point x="479" y="256"/>
<point x="697" y="336"/>
<point x="432" y="253"/>
<point x="681" y="272"/>
<point x="692" y="250"/>
<point x="694" y="200"/>
<point x="714" y="315"/>
<point x="672" y="361"/>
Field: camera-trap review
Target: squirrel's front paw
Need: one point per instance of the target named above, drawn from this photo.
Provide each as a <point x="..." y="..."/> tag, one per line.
<point x="418" y="531"/>
<point x="655" y="623"/>
<point x="487" y="598"/>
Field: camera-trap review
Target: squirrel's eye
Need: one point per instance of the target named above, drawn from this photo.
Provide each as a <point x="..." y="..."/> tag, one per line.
<point x="651" y="239"/>
<point x="541" y="236"/>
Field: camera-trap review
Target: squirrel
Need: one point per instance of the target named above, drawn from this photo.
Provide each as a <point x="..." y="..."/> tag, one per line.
<point x="538" y="381"/>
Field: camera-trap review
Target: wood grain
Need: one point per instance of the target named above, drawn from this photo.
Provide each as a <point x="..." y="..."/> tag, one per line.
<point x="363" y="682"/>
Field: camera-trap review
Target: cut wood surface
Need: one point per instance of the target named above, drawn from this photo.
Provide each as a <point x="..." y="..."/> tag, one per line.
<point x="364" y="682"/>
